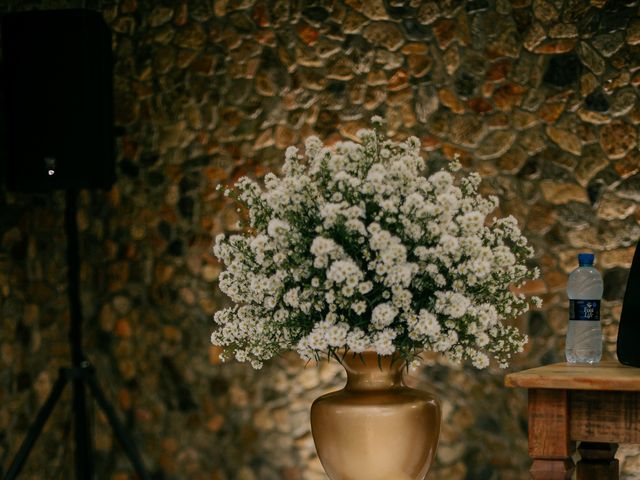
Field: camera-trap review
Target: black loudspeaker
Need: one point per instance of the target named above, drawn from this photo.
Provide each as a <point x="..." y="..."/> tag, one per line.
<point x="58" y="101"/>
<point x="629" y="330"/>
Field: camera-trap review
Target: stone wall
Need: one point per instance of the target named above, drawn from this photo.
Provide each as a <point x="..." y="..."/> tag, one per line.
<point x="540" y="96"/>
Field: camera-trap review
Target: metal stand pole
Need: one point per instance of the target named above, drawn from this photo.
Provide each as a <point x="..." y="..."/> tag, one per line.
<point x="36" y="427"/>
<point x="83" y="455"/>
<point x="80" y="373"/>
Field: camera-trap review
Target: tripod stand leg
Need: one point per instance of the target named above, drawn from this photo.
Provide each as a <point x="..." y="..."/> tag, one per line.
<point x="36" y="427"/>
<point x="83" y="454"/>
<point x="129" y="447"/>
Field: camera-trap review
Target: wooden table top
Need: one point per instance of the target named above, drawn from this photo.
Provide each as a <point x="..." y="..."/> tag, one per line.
<point x="607" y="375"/>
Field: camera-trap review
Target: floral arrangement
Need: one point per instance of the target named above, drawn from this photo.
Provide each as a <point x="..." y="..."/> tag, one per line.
<point x="353" y="249"/>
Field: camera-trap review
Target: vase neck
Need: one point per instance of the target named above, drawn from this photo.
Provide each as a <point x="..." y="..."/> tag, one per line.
<point x="366" y="372"/>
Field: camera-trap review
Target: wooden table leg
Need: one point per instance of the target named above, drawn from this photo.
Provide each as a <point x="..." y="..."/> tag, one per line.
<point x="598" y="461"/>
<point x="550" y="446"/>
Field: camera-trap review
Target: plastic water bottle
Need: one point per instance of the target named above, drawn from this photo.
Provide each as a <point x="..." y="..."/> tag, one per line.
<point x="584" y="336"/>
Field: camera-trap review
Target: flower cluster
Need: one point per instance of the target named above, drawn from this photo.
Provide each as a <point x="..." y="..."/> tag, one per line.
<point x="354" y="248"/>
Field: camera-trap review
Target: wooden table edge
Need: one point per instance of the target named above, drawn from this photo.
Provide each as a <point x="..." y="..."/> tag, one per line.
<point x="606" y="376"/>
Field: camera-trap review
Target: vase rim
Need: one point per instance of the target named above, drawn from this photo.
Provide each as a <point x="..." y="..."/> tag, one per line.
<point x="361" y="359"/>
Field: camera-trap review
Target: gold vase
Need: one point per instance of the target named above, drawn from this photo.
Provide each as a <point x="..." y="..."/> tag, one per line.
<point x="376" y="428"/>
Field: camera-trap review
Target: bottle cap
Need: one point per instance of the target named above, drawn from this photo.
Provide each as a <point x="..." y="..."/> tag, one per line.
<point x="586" y="258"/>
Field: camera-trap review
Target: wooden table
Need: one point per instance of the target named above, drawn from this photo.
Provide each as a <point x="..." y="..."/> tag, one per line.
<point x="597" y="405"/>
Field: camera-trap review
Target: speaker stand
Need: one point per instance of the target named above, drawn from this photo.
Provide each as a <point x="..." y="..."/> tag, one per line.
<point x="80" y="374"/>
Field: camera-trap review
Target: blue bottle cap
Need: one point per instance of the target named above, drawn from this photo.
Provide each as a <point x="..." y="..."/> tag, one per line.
<point x="586" y="258"/>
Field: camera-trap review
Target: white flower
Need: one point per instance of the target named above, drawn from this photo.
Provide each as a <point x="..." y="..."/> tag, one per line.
<point x="317" y="340"/>
<point x="359" y="307"/>
<point x="365" y="287"/>
<point x="353" y="247"/>
<point x="448" y="204"/>
<point x="503" y="257"/>
<point x="441" y="180"/>
<point x="270" y="303"/>
<point x="426" y="326"/>
<point x="481" y="268"/>
<point x="449" y="244"/>
<point x="480" y="360"/>
<point x="277" y="228"/>
<point x="291" y="152"/>
<point x="383" y="342"/>
<point x="471" y="222"/>
<point x="383" y="315"/>
<point x="537" y="301"/>
<point x="345" y="271"/>
<point x="357" y="341"/>
<point x="322" y="246"/>
<point x="312" y="145"/>
<point x="482" y="339"/>
<point x="452" y="304"/>
<point x="336" y="335"/>
<point x="291" y="298"/>
<point x="402" y="298"/>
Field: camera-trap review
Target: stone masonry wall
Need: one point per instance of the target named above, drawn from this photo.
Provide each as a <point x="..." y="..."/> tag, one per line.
<point x="540" y="96"/>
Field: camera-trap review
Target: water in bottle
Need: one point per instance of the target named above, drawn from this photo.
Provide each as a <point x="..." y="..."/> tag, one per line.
<point x="584" y="336"/>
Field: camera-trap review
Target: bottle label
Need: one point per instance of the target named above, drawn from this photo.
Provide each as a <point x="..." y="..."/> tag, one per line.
<point x="584" y="310"/>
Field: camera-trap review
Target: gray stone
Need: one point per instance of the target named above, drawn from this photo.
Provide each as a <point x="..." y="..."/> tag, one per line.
<point x="612" y="81"/>
<point x="617" y="138"/>
<point x="374" y="98"/>
<point x="445" y="31"/>
<point x="451" y="59"/>
<point x="428" y="13"/>
<point x="384" y="34"/>
<point x="532" y="100"/>
<point x="326" y="47"/>
<point x="495" y="144"/>
<point x="419" y="65"/>
<point x="533" y="140"/>
<point x="373" y="9"/>
<point x="613" y="207"/>
<point x="563" y="30"/>
<point x="559" y="193"/>
<point x="557" y="164"/>
<point x="592" y="117"/>
<point x="534" y="36"/>
<point x="438" y="123"/>
<point x="609" y="43"/>
<point x="630" y="188"/>
<point x="192" y="36"/>
<point x="466" y="130"/>
<point x="160" y="15"/>
<point x="201" y="10"/>
<point x="588" y="83"/>
<point x="575" y="214"/>
<point x="566" y="140"/>
<point x="633" y="32"/>
<point x="523" y="120"/>
<point x="618" y="233"/>
<point x="353" y="23"/>
<point x="623" y="102"/>
<point x="426" y="102"/>
<point x="389" y="60"/>
<point x="544" y="11"/>
<point x="513" y="160"/>
<point x="592" y="161"/>
<point x="590" y="58"/>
